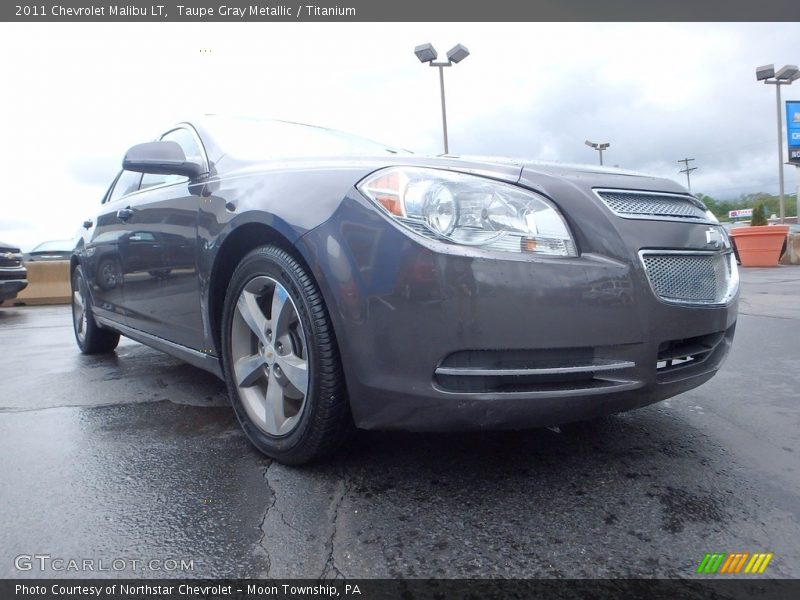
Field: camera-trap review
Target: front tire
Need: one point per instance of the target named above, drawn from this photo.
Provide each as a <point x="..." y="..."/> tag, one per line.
<point x="281" y="360"/>
<point x="91" y="338"/>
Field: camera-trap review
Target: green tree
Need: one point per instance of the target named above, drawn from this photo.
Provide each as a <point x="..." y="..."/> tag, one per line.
<point x="759" y="218"/>
<point x="720" y="208"/>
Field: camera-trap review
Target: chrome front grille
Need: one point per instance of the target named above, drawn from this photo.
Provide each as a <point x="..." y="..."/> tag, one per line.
<point x="683" y="277"/>
<point x="10" y="260"/>
<point x="653" y="205"/>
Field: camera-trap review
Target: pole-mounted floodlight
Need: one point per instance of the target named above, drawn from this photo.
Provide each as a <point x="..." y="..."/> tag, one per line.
<point x="457" y="53"/>
<point x="599" y="147"/>
<point x="786" y="75"/>
<point x="426" y="53"/>
<point x="765" y="72"/>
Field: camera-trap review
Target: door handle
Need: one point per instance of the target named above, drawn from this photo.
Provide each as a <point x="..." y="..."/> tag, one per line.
<point x="124" y="214"/>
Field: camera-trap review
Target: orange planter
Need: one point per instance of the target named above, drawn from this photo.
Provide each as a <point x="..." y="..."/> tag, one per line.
<point x="760" y="246"/>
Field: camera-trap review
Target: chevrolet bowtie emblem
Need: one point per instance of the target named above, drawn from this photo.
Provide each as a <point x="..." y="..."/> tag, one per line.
<point x="716" y="238"/>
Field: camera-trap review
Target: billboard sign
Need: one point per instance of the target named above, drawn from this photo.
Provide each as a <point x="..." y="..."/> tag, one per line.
<point x="793" y="130"/>
<point x="742" y="213"/>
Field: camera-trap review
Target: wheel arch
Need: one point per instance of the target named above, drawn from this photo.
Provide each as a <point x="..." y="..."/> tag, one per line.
<point x="237" y="244"/>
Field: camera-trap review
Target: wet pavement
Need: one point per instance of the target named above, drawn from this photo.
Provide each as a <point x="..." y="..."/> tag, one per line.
<point x="137" y="457"/>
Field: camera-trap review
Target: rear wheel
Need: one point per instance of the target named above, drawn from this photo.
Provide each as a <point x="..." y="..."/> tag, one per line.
<point x="91" y="338"/>
<point x="281" y="360"/>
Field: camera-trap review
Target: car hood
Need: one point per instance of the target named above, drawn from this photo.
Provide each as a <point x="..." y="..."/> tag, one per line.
<point x="546" y="177"/>
<point x="8" y="247"/>
<point x="553" y="168"/>
<point x="543" y="176"/>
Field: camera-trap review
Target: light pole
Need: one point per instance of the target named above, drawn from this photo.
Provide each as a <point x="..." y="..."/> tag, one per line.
<point x="599" y="148"/>
<point x="426" y="53"/>
<point x="785" y="76"/>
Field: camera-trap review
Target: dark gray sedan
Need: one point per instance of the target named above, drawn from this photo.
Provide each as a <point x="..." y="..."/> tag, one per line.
<point x="332" y="281"/>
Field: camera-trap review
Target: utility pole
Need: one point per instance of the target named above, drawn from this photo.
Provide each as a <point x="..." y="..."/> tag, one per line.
<point x="687" y="170"/>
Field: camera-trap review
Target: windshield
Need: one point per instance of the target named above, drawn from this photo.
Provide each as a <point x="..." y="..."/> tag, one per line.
<point x="257" y="139"/>
<point x="54" y="246"/>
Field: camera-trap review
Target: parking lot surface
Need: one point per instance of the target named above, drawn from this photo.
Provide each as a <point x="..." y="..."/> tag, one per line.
<point x="138" y="456"/>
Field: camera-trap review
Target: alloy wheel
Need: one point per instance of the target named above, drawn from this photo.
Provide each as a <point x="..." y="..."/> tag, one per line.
<point x="79" y="315"/>
<point x="269" y="356"/>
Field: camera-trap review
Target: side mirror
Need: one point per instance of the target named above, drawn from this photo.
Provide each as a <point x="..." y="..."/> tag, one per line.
<point x="161" y="158"/>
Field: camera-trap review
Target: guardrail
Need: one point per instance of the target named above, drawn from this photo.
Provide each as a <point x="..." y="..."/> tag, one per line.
<point x="48" y="283"/>
<point x="792" y="254"/>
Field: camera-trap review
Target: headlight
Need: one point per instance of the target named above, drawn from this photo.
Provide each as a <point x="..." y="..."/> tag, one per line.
<point x="469" y="210"/>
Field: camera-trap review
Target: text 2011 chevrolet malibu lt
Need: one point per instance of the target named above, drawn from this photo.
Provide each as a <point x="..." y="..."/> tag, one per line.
<point x="332" y="281"/>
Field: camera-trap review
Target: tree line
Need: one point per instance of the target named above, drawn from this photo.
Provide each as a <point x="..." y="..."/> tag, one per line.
<point x="720" y="208"/>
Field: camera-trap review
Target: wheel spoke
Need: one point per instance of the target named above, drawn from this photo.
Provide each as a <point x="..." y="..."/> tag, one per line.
<point x="274" y="414"/>
<point x="296" y="371"/>
<point x="281" y="311"/>
<point x="248" y="308"/>
<point x="79" y="302"/>
<point x="249" y="369"/>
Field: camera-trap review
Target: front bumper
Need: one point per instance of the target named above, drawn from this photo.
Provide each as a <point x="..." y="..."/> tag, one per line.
<point x="403" y="307"/>
<point x="9" y="288"/>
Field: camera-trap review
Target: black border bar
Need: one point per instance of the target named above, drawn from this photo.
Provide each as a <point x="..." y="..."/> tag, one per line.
<point x="418" y="589"/>
<point x="398" y="10"/>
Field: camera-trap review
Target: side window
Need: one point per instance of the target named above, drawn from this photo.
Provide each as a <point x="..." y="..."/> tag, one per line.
<point x="142" y="236"/>
<point x="127" y="182"/>
<point x="187" y="142"/>
<point x="190" y="148"/>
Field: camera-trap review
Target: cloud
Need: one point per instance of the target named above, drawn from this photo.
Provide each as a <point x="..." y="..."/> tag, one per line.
<point x="93" y="170"/>
<point x="7" y="224"/>
<point x="657" y="92"/>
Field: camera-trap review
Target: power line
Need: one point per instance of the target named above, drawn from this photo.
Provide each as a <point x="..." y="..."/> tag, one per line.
<point x="687" y="170"/>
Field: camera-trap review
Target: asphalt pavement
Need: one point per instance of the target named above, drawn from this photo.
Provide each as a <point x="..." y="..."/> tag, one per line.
<point x="137" y="458"/>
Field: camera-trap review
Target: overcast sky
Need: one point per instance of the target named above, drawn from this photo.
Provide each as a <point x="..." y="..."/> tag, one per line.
<point x="75" y="96"/>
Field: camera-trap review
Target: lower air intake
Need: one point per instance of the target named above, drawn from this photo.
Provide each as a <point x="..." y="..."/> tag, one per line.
<point x="544" y="371"/>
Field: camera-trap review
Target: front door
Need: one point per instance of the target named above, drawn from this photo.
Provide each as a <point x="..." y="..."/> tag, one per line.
<point x="159" y="253"/>
<point x="101" y="262"/>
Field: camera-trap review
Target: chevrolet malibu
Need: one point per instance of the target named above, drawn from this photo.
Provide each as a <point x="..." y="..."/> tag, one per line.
<point x="332" y="282"/>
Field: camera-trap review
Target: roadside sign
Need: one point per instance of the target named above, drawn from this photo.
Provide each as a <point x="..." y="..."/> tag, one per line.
<point x="793" y="130"/>
<point x="741" y="213"/>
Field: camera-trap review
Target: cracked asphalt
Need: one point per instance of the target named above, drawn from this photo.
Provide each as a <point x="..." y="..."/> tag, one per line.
<point x="138" y="456"/>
